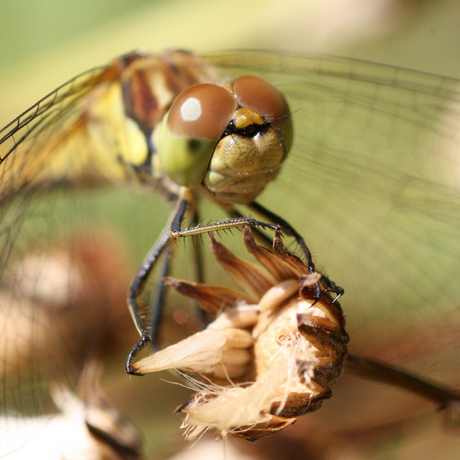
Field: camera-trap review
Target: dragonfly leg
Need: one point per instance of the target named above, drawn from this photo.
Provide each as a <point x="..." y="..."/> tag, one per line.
<point x="332" y="287"/>
<point x="149" y="330"/>
<point x="235" y="214"/>
<point x="201" y="314"/>
<point x="156" y="305"/>
<point x="133" y="353"/>
<point x="237" y="222"/>
<point x="328" y="283"/>
<point x="136" y="289"/>
<point x="156" y="315"/>
<point x="289" y="230"/>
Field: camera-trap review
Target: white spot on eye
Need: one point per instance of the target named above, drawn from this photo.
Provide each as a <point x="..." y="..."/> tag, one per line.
<point x="191" y="109"/>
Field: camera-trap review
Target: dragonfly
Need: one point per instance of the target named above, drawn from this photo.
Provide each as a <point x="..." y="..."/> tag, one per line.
<point x="370" y="185"/>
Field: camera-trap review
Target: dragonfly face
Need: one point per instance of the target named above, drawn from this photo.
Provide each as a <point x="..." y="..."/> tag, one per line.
<point x="372" y="183"/>
<point x="230" y="139"/>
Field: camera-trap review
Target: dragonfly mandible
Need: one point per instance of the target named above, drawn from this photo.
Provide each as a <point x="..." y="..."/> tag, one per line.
<point x="371" y="182"/>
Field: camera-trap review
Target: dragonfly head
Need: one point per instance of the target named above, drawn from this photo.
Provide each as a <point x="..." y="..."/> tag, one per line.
<point x="232" y="139"/>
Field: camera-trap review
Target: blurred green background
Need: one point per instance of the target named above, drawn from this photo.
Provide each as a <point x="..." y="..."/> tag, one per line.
<point x="44" y="43"/>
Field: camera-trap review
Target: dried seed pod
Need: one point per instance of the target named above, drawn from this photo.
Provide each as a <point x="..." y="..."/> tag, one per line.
<point x="272" y="354"/>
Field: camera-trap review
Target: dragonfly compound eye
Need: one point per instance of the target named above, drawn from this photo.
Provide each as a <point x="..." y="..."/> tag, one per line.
<point x="192" y="128"/>
<point x="260" y="95"/>
<point x="257" y="142"/>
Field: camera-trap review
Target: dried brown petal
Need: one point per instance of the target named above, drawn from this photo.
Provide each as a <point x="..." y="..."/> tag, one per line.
<point x="280" y="271"/>
<point x="253" y="279"/>
<point x="212" y="299"/>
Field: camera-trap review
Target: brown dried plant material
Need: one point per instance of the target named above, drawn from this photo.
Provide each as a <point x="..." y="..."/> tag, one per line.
<point x="272" y="353"/>
<point x="73" y="293"/>
<point x="86" y="426"/>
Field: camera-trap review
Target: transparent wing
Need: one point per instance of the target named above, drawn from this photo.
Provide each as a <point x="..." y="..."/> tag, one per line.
<point x="55" y="305"/>
<point x="65" y="138"/>
<point x="33" y="122"/>
<point x="373" y="185"/>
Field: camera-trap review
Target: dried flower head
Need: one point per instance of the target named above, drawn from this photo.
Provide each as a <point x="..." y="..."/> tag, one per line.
<point x="272" y="353"/>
